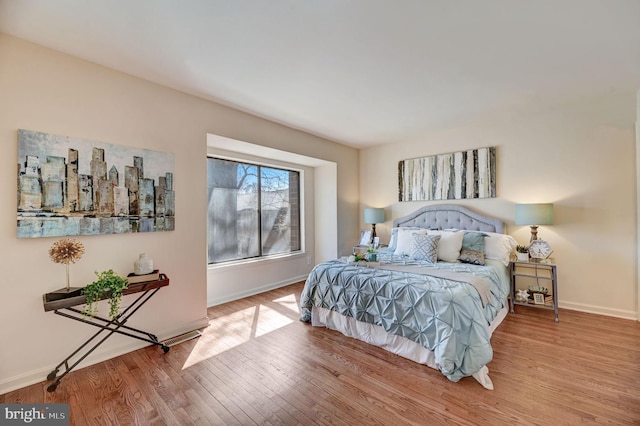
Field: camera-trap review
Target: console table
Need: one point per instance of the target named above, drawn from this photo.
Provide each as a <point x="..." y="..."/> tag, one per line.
<point x="64" y="306"/>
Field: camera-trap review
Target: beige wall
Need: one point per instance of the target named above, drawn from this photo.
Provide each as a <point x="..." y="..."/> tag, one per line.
<point x="638" y="197"/>
<point x="47" y="91"/>
<point x="579" y="156"/>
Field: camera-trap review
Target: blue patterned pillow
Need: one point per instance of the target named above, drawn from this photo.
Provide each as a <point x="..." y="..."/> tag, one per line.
<point x="425" y="247"/>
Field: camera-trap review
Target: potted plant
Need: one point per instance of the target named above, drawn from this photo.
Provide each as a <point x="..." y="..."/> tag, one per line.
<point x="523" y="253"/>
<point x="109" y="285"/>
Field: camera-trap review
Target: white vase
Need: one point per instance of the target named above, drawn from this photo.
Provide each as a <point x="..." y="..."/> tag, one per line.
<point x="143" y="265"/>
<point x="522" y="257"/>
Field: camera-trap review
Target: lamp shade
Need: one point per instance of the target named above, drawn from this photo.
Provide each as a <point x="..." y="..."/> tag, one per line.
<point x="373" y="215"/>
<point x="534" y="214"/>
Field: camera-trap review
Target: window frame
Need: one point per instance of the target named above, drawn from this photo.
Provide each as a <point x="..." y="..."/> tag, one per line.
<point x="287" y="167"/>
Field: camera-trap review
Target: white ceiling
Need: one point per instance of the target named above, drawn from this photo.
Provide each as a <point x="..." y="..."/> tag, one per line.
<point x="362" y="72"/>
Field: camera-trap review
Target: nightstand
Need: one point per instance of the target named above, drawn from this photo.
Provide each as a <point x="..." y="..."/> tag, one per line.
<point x="536" y="273"/>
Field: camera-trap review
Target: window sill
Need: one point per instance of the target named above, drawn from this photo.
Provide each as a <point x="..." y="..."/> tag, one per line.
<point x="261" y="260"/>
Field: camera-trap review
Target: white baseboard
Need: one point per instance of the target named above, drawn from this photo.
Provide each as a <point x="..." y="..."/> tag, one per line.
<point x="40" y="374"/>
<point x="600" y="310"/>
<point x="253" y="291"/>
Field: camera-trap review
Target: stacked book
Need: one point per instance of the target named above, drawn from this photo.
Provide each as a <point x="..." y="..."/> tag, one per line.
<point x="152" y="276"/>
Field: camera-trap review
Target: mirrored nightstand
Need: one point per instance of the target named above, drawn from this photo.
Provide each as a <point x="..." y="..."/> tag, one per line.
<point x="538" y="273"/>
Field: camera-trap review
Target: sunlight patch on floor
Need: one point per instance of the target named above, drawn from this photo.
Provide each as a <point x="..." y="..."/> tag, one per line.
<point x="270" y="320"/>
<point x="231" y="330"/>
<point x="289" y="302"/>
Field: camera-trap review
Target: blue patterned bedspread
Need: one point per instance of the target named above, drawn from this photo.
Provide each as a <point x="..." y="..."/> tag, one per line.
<point x="444" y="316"/>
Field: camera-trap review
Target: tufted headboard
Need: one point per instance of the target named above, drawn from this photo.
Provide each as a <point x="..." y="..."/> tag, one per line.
<point x="450" y="216"/>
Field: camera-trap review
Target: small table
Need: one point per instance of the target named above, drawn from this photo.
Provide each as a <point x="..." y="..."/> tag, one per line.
<point x="65" y="307"/>
<point x="530" y="269"/>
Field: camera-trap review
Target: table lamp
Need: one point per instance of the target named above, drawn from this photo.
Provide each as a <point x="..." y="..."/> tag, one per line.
<point x="373" y="216"/>
<point x="534" y="215"/>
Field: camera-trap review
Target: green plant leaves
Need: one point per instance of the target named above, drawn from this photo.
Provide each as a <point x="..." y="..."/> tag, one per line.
<point x="108" y="285"/>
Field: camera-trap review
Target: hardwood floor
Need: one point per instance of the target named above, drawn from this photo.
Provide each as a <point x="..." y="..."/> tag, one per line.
<point x="258" y="364"/>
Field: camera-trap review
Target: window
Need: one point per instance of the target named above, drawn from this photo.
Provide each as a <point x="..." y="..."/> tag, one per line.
<point x="254" y="210"/>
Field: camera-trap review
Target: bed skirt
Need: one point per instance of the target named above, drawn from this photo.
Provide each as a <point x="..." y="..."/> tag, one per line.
<point x="376" y="335"/>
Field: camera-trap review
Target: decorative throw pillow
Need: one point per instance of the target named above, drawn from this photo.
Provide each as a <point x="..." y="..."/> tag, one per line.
<point x="404" y="242"/>
<point x="474" y="241"/>
<point x="474" y="257"/>
<point x="449" y="245"/>
<point x="393" y="241"/>
<point x="498" y="247"/>
<point x="425" y="247"/>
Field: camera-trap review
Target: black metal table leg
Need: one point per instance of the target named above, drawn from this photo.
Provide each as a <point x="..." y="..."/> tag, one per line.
<point x="115" y="325"/>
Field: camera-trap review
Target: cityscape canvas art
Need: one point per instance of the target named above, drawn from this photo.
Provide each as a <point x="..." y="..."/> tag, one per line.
<point x="69" y="186"/>
<point x="452" y="176"/>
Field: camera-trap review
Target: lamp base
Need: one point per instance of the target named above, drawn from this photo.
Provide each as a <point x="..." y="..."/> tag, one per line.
<point x="534" y="233"/>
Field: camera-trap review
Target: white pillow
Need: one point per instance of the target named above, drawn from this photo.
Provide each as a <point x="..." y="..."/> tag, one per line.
<point x="498" y="246"/>
<point x="393" y="241"/>
<point x="404" y="241"/>
<point x="449" y="245"/>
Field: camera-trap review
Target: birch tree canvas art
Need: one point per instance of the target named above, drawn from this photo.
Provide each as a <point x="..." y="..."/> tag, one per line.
<point x="452" y="176"/>
<point x="69" y="186"/>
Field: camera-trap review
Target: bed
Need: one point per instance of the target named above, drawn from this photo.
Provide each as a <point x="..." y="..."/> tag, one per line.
<point x="435" y="295"/>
